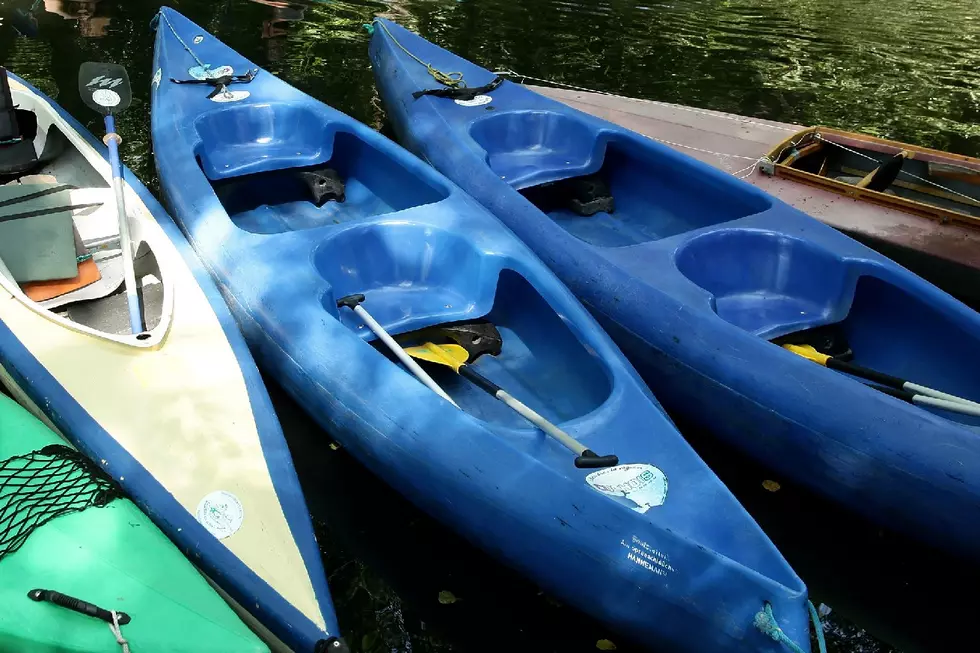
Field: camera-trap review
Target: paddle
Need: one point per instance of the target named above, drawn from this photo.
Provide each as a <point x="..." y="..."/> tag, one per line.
<point x="105" y="88"/>
<point x="456" y="358"/>
<point x="353" y="302"/>
<point x="25" y="22"/>
<point x="892" y="385"/>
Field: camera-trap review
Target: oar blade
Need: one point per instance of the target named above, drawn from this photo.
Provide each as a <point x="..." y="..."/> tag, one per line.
<point x="453" y="356"/>
<point x="104" y="87"/>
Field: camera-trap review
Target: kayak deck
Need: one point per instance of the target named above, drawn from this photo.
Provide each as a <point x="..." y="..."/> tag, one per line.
<point x="115" y="558"/>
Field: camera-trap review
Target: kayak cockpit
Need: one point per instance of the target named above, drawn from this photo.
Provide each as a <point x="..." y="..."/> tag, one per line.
<point x="791" y="290"/>
<point x="604" y="190"/>
<point x="60" y="252"/>
<point x="271" y="176"/>
<point x="417" y="276"/>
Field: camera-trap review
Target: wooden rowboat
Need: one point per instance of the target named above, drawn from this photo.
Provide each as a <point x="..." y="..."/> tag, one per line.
<point x="178" y="414"/>
<point x="929" y="183"/>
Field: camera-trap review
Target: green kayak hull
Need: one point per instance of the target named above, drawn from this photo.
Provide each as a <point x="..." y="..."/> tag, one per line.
<point x="116" y="558"/>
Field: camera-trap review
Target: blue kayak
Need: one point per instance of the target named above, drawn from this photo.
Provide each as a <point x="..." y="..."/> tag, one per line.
<point x="301" y="213"/>
<point x="178" y="413"/>
<point x="699" y="278"/>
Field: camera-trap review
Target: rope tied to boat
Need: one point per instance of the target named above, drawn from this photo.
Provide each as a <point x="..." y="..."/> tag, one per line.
<point x="451" y="79"/>
<point x="200" y="63"/>
<point x="766" y="622"/>
<point x="117" y="632"/>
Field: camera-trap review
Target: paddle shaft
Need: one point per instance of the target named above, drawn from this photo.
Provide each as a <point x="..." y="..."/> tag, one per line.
<point x="112" y="141"/>
<point x="961" y="407"/>
<point x="897" y="383"/>
<point x="586" y="458"/>
<point x="353" y="302"/>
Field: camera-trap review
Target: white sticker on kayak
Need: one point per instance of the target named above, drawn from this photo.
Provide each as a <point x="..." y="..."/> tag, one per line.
<point x="201" y="73"/>
<point x="641" y="486"/>
<point x="478" y="101"/>
<point x="106" y="98"/>
<point x="157" y="78"/>
<point x="230" y="96"/>
<point x="221" y="513"/>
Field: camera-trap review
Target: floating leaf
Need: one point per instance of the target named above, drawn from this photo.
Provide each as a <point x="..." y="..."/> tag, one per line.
<point x="605" y="645"/>
<point x="772" y="486"/>
<point x="334" y="446"/>
<point x="447" y="598"/>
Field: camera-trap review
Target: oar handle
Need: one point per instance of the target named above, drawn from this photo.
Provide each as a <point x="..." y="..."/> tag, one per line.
<point x="112" y="141"/>
<point x="77" y="605"/>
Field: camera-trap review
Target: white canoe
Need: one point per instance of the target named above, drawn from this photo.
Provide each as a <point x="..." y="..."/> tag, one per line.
<point x="178" y="414"/>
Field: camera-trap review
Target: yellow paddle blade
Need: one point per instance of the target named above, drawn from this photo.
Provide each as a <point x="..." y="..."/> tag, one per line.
<point x="453" y="356"/>
<point x="807" y="351"/>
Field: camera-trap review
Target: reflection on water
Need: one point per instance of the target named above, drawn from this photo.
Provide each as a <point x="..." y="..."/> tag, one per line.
<point x="902" y="69"/>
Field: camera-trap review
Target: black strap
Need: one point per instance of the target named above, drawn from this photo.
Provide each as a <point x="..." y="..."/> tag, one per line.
<point x="220" y="84"/>
<point x="34" y="196"/>
<point x="460" y="93"/>
<point x="56" y="209"/>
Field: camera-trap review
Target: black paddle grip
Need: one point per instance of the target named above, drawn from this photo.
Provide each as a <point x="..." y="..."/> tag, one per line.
<point x="77" y="605"/>
<point x="865" y="373"/>
<point x="478" y="379"/>
<point x="591" y="460"/>
<point x="350" y="301"/>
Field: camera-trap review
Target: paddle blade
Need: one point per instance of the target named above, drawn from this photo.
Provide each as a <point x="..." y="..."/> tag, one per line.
<point x="104" y="87"/>
<point x="808" y="352"/>
<point x="452" y="356"/>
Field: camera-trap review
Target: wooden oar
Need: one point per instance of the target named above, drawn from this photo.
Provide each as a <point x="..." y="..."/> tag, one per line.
<point x="906" y="390"/>
<point x="455" y="357"/>
<point x="105" y="88"/>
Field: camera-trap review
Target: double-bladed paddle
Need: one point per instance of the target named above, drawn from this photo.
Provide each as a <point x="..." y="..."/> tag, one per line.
<point x="105" y="88"/>
<point x="457" y="358"/>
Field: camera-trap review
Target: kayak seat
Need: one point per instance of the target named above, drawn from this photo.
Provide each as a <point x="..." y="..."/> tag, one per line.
<point x="255" y="138"/>
<point x="527" y="148"/>
<point x="281" y="199"/>
<point x="412" y="275"/>
<point x="767" y="283"/>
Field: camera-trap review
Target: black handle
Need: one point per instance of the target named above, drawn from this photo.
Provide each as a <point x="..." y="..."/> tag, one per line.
<point x="350" y="301"/>
<point x="591" y="460"/>
<point x="77" y="605"/>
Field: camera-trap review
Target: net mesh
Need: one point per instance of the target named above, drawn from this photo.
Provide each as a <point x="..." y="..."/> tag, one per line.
<point x="41" y="485"/>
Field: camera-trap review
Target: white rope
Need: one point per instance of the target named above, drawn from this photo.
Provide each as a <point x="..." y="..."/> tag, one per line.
<point x="203" y="65"/>
<point x="117" y="632"/>
<point x="903" y="172"/>
<point x="714" y="114"/>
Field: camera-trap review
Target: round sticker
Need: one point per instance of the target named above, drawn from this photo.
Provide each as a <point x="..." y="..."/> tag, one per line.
<point x="202" y="73"/>
<point x="478" y="101"/>
<point x="106" y="98"/>
<point x="230" y="96"/>
<point x="157" y="77"/>
<point x="637" y="486"/>
<point x="221" y="513"/>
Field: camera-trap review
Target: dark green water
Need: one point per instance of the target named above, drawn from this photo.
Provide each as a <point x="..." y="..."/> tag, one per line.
<point x="903" y="69"/>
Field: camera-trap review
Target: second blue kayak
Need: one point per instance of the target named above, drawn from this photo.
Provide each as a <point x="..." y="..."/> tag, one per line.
<point x="303" y="214"/>
<point x="700" y="278"/>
